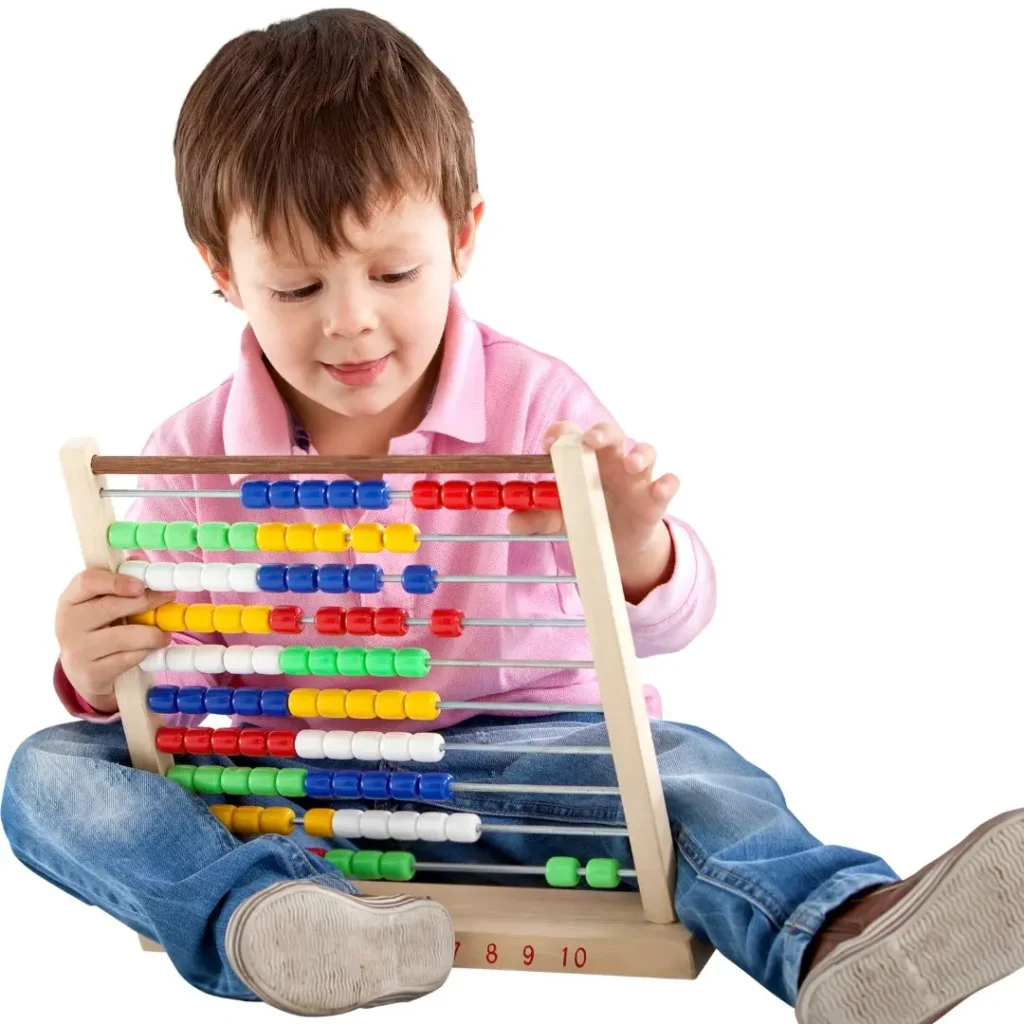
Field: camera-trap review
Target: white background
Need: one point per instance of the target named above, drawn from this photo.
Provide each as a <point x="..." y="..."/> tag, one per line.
<point x="783" y="242"/>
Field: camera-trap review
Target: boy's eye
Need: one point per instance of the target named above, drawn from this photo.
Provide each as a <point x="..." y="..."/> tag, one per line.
<point x="310" y="289"/>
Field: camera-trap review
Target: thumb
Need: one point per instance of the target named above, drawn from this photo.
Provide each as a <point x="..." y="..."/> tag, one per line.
<point x="535" y="520"/>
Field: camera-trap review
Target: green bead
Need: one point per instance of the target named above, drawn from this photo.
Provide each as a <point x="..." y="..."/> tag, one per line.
<point x="291" y="782"/>
<point x="323" y="661"/>
<point x="366" y="864"/>
<point x="562" y="872"/>
<point x="207" y="778"/>
<point x="181" y="536"/>
<point x="341" y="859"/>
<point x="121" y="535"/>
<point x="182" y="775"/>
<point x="263" y="781"/>
<point x="242" y="536"/>
<point x="380" y="661"/>
<point x="412" y="662"/>
<point x="352" y="661"/>
<point x="398" y="866"/>
<point x="150" y="536"/>
<point x="603" y="873"/>
<point x="236" y="781"/>
<point x="295" y="661"/>
<point x="213" y="536"/>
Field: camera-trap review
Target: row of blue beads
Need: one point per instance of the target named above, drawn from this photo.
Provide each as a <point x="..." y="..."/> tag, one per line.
<point x="379" y="785"/>
<point x="217" y="700"/>
<point x="315" y="494"/>
<point x="306" y="578"/>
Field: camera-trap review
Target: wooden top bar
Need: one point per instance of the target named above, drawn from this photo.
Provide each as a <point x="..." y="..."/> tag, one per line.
<point x="353" y="465"/>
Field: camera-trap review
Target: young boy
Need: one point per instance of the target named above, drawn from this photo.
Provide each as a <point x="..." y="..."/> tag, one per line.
<point x="327" y="176"/>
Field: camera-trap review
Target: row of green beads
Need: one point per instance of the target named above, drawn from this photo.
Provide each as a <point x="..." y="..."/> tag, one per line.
<point x="182" y="536"/>
<point x="408" y="662"/>
<point x="371" y="865"/>
<point x="564" y="872"/>
<point x="212" y="778"/>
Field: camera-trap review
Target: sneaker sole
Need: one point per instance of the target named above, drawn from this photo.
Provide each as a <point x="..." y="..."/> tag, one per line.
<point x="313" y="951"/>
<point x="960" y="929"/>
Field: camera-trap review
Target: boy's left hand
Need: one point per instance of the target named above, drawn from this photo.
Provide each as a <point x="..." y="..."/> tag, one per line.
<point x="636" y="507"/>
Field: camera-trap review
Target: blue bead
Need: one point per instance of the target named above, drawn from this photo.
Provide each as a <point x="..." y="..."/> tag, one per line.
<point x="192" y="700"/>
<point x="275" y="703"/>
<point x="365" y="579"/>
<point x="346" y="784"/>
<point x="301" y="578"/>
<point x="435" y="786"/>
<point x="374" y="785"/>
<point x="333" y="579"/>
<point x="163" y="699"/>
<point x="419" y="579"/>
<point x="248" y="701"/>
<point x="284" y="494"/>
<point x="255" y="494"/>
<point x="272" y="578"/>
<point x="373" y="494"/>
<point x="313" y="493"/>
<point x="320" y="784"/>
<point x="404" y="785"/>
<point x="342" y="494"/>
<point x="219" y="700"/>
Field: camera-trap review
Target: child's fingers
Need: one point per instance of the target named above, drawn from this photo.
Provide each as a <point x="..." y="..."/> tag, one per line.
<point x="118" y="639"/>
<point x="555" y="431"/>
<point x="102" y="611"/>
<point x="664" y="489"/>
<point x="605" y="435"/>
<point x="640" y="459"/>
<point x="94" y="583"/>
<point x="535" y="520"/>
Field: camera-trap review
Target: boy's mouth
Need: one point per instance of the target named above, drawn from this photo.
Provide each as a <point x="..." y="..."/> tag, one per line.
<point x="358" y="374"/>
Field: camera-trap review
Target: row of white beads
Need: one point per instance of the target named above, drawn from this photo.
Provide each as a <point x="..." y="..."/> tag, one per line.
<point x="194" y="576"/>
<point x="241" y="659"/>
<point x="369" y="745"/>
<point x="431" y="826"/>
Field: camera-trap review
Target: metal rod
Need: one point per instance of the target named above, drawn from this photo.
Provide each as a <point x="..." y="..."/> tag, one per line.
<point x="483" y="706"/>
<point x="527" y="748"/>
<point x="537" y="830"/>
<point x="491" y="579"/>
<point x="490" y="787"/>
<point x="507" y="663"/>
<point x="309" y="620"/>
<point x="505" y="869"/>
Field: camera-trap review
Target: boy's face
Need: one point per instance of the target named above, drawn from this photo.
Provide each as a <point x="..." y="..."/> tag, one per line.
<point x="352" y="334"/>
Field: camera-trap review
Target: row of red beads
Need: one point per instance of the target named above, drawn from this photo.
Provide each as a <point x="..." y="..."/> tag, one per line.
<point x="485" y="494"/>
<point x="335" y="621"/>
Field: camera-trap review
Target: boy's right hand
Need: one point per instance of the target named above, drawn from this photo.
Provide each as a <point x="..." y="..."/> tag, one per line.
<point x="95" y="648"/>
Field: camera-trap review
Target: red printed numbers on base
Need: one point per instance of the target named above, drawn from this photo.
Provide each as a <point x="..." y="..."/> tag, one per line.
<point x="446" y="622"/>
<point x="492" y="953"/>
<point x="517" y="494"/>
<point x="527" y="955"/>
<point x="545" y="494"/>
<point x="359" y="621"/>
<point x="579" y="958"/>
<point x="330" y="620"/>
<point x="426" y="494"/>
<point x="225" y="741"/>
<point x="390" y="622"/>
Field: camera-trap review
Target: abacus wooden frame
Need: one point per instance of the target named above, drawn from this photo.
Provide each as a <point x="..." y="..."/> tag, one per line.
<point x="505" y="928"/>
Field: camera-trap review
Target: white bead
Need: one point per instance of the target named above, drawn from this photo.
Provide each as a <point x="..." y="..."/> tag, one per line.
<point x="338" y="744"/>
<point x="267" y="660"/>
<point x="426" y="746"/>
<point x="345" y="823"/>
<point x="430" y="826"/>
<point x="210" y="658"/>
<point x="402" y="825"/>
<point x="181" y="658"/>
<point x="243" y="577"/>
<point x="375" y="824"/>
<point x="366" y="745"/>
<point x="155" y="661"/>
<point x="309" y="744"/>
<point x="215" y="577"/>
<point x="160" y="576"/>
<point x="394" y="746"/>
<point x="238" y="659"/>
<point x="137" y="570"/>
<point x="462" y="828"/>
<point x="188" y="576"/>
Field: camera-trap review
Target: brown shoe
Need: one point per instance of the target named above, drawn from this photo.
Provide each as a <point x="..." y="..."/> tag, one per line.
<point x="908" y="952"/>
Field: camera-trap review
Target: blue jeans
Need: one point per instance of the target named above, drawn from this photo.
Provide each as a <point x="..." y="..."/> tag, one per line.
<point x="750" y="880"/>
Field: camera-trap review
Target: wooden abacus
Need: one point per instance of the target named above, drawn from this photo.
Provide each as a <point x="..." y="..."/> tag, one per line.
<point x="512" y="928"/>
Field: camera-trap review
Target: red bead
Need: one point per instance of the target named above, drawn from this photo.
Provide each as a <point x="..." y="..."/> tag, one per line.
<point x="253" y="742"/>
<point x="545" y="494"/>
<point x="390" y="622"/>
<point x="330" y="620"/>
<point x="281" y="743"/>
<point x="455" y="494"/>
<point x="225" y="741"/>
<point x="170" y="741"/>
<point x="426" y="494"/>
<point x="486" y="494"/>
<point x="197" y="741"/>
<point x="446" y="622"/>
<point x="517" y="494"/>
<point x="359" y="621"/>
<point x="285" y="619"/>
<point x="318" y="850"/>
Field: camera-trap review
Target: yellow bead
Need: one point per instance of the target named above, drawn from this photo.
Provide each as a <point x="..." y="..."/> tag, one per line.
<point x="402" y="538"/>
<point x="332" y="703"/>
<point x="144" y="618"/>
<point x="390" y="704"/>
<point x="171" y="617"/>
<point x="199" y="618"/>
<point x="227" y="618"/>
<point x="302" y="702"/>
<point x="271" y="536"/>
<point x="421" y="705"/>
<point x="224" y="813"/>
<point x="300" y="537"/>
<point x="246" y="820"/>
<point x="319" y="821"/>
<point x="277" y="820"/>
<point x="367" y="538"/>
<point x="360" y="703"/>
<point x="256" y="618"/>
<point x="331" y="537"/>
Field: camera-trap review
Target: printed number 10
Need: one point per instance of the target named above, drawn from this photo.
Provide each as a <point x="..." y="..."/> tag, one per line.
<point x="579" y="957"/>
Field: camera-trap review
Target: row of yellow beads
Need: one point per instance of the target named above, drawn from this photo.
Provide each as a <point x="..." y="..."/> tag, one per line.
<point x="174" y="617"/>
<point x="252" y="820"/>
<point x="367" y="538"/>
<point x="419" y="705"/>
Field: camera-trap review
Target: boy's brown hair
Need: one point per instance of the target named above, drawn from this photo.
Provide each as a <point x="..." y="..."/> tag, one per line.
<point x="331" y="111"/>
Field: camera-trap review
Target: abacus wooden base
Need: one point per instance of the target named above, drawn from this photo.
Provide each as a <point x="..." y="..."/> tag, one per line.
<point x="558" y="930"/>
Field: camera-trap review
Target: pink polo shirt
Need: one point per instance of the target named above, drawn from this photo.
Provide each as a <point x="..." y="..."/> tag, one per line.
<point x="494" y="395"/>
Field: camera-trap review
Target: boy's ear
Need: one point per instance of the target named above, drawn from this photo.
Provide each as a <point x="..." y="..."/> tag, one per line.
<point x="466" y="240"/>
<point x="222" y="277"/>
